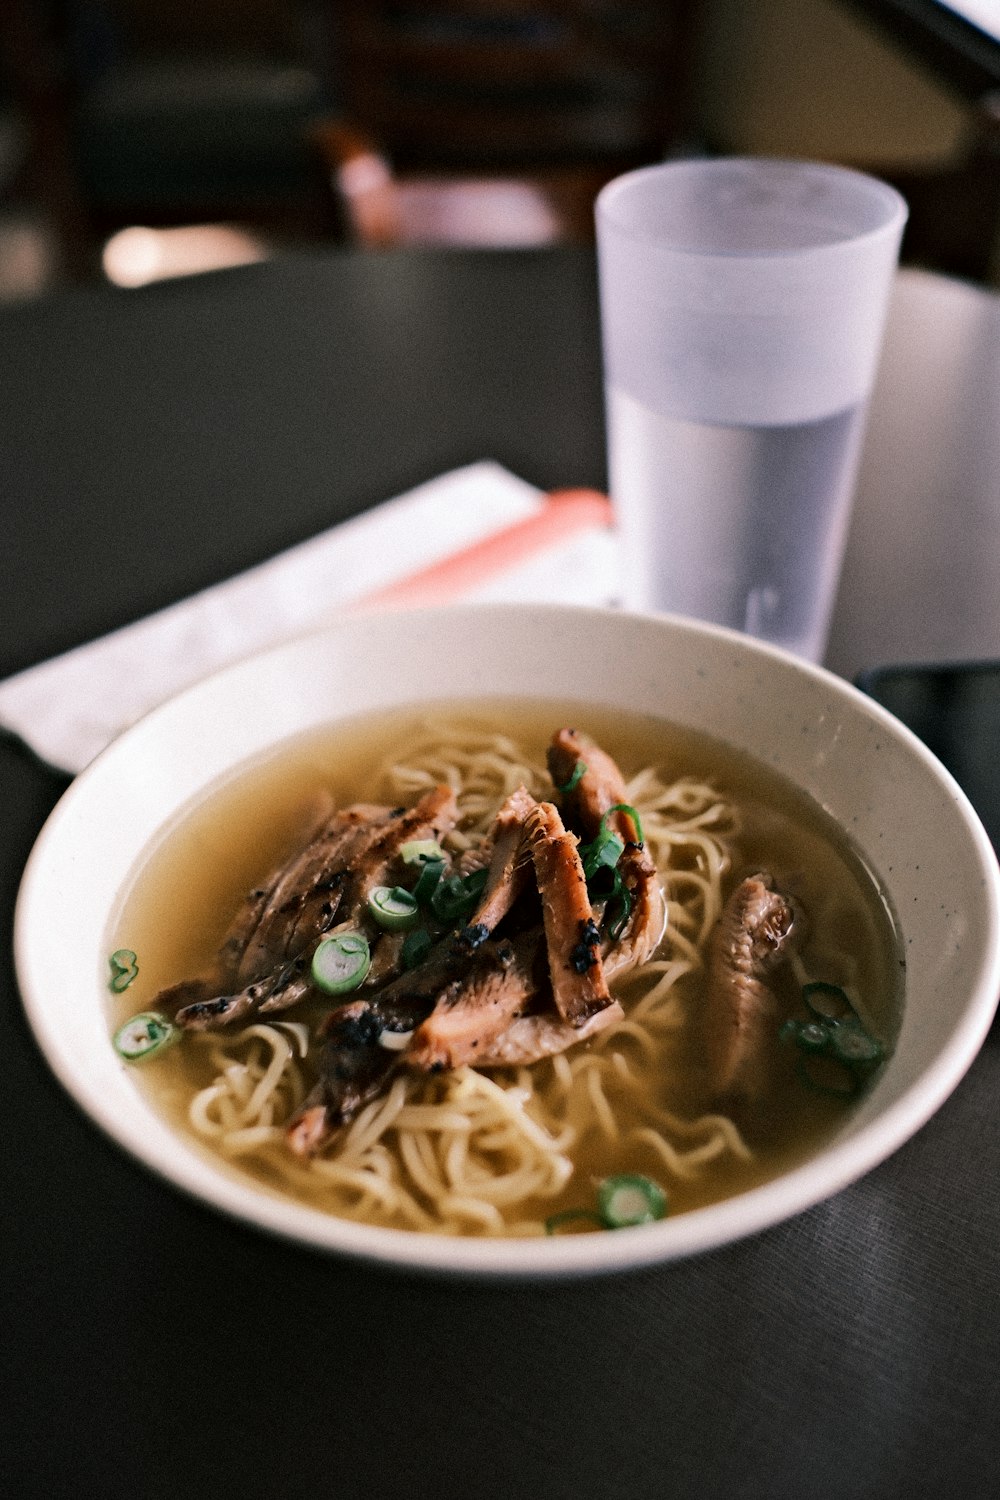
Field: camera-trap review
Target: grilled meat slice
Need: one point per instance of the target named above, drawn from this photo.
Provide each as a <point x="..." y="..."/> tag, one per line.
<point x="472" y="1011"/>
<point x="598" y="789"/>
<point x="326" y="884"/>
<point x="355" y="1067"/>
<point x="647" y="919"/>
<point x="509" y="869"/>
<point x="529" y="1038"/>
<point x="209" y="1011"/>
<point x="749" y="940"/>
<point x="431" y="818"/>
<point x="331" y="880"/>
<point x="303" y="900"/>
<point x="579" y="987"/>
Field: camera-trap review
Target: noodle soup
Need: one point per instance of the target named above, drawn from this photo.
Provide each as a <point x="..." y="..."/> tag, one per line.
<point x="514" y="1150"/>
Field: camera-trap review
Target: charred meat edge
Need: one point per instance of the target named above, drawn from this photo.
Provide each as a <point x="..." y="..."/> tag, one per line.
<point x="354" y="1066"/>
<point x="354" y="1069"/>
<point x="279" y="991"/>
<point x="600" y="788"/>
<point x="579" y="987"/>
<point x="476" y="1008"/>
<point x="378" y="841"/>
<point x="509" y="868"/>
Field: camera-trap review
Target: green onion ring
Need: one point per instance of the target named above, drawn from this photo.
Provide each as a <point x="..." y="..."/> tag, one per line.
<point x="124" y="969"/>
<point x="577" y="774"/>
<point x="555" y="1222"/>
<point x="625" y="807"/>
<point x="341" y="962"/>
<point x="625" y="1201"/>
<point x="393" y="908"/>
<point x="141" y="1036"/>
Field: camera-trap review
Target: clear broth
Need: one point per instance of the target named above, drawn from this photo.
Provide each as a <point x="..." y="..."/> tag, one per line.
<point x="181" y="901"/>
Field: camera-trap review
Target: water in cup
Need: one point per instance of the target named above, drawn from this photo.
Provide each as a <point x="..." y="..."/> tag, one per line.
<point x="695" y="494"/>
<point x="743" y="302"/>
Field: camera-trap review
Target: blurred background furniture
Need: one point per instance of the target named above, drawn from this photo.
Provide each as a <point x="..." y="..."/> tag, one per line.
<point x="498" y="121"/>
<point x="309" y="121"/>
<point x="954" y="222"/>
<point x="297" y="123"/>
<point x="142" y="112"/>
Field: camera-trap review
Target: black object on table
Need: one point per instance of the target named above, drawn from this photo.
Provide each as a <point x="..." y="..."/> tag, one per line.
<point x="154" y="442"/>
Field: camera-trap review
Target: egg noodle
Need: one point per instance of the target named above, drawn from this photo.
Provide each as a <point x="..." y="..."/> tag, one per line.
<point x="490" y="1153"/>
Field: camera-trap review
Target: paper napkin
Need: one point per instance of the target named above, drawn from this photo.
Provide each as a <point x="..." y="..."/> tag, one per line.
<point x="478" y="533"/>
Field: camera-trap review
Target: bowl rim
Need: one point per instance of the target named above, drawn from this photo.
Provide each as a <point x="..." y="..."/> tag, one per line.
<point x="842" y="1162"/>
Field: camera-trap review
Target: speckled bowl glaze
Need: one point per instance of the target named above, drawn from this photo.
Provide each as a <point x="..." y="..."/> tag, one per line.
<point x="902" y="810"/>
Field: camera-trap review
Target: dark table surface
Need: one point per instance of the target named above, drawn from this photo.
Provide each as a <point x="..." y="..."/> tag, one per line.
<point x="156" y="441"/>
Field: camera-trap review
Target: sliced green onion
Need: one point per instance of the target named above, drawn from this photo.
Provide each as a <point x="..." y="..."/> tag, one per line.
<point x="828" y="1002"/>
<point x="810" y="1036"/>
<point x="852" y="1045"/>
<point x="628" y="1200"/>
<point x="341" y="962"/>
<point x="557" y="1223"/>
<point x="455" y="897"/>
<point x="623" y="896"/>
<point x="838" y="1051"/>
<point x="577" y="774"/>
<point x="625" y="807"/>
<point x="124" y="969"/>
<point x="427" y="884"/>
<point x="393" y="908"/>
<point x="144" y="1034"/>
<point x="416" y="946"/>
<point x="603" y="854"/>
<point x="419" y="851"/>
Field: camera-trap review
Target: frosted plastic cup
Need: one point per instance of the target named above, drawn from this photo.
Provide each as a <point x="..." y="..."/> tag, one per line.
<point x="743" y="303"/>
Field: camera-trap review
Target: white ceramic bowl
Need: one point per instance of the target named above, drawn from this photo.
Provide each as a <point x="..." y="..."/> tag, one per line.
<point x="904" y="812"/>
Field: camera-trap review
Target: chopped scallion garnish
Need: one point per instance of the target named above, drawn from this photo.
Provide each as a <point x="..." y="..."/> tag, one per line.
<point x="577" y="774"/>
<point x="828" y="1002"/>
<point x="621" y="1203"/>
<point x="144" y="1034"/>
<point x="603" y="854"/>
<point x="393" y="908"/>
<point x="124" y="969"/>
<point x="628" y="1200"/>
<point x="455" y="896"/>
<point x="416" y="946"/>
<point x="625" y="807"/>
<point x="851" y="1044"/>
<point x="625" y="901"/>
<point x="426" y="885"/>
<point x="563" y="1222"/>
<point x="837" y="1052"/>
<point x="809" y="1036"/>
<point x="341" y="962"/>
